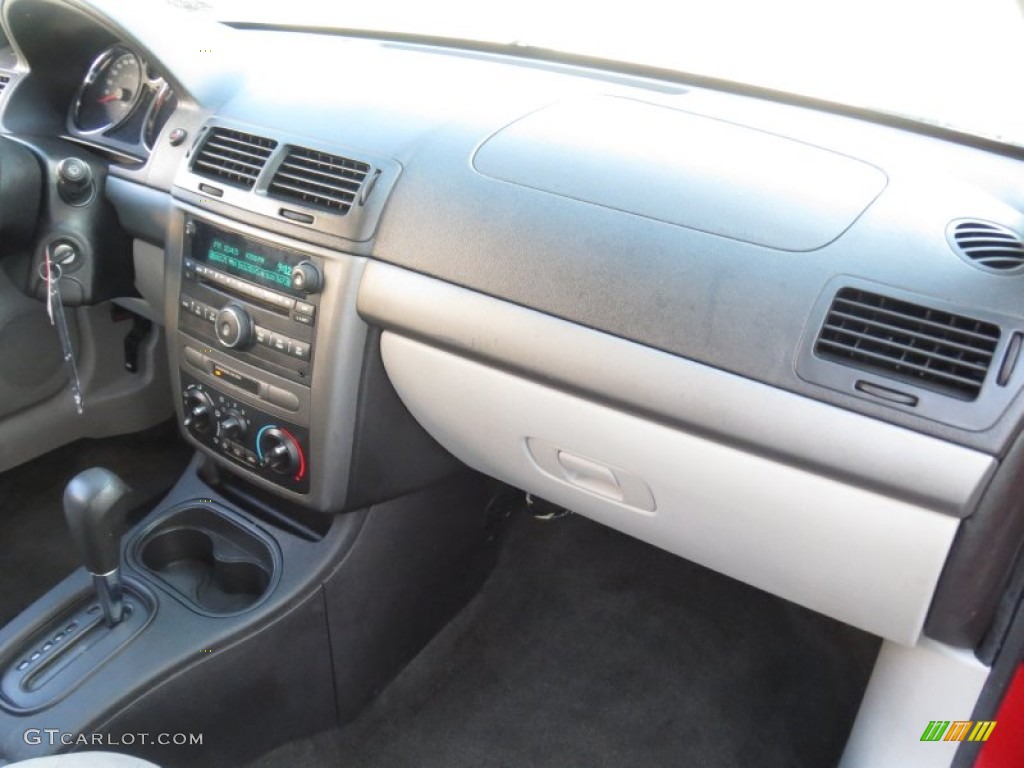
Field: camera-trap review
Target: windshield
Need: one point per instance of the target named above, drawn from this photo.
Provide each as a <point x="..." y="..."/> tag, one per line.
<point x="955" y="63"/>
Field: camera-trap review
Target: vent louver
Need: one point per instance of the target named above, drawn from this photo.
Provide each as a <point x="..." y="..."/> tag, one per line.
<point x="318" y="180"/>
<point x="929" y="348"/>
<point x="987" y="245"/>
<point x="233" y="157"/>
<point x="4" y="80"/>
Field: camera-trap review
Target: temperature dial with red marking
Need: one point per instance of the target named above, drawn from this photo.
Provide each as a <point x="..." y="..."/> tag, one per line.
<point x="279" y="451"/>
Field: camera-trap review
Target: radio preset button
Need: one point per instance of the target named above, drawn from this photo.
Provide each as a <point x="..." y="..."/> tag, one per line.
<point x="304" y="319"/>
<point x="299" y="349"/>
<point x="186" y="303"/>
<point x="211" y="314"/>
<point x="279" y="342"/>
<point x="198" y="309"/>
<point x="262" y="335"/>
<point x="305" y="308"/>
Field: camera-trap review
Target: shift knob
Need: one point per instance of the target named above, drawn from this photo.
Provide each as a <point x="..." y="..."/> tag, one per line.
<point x="95" y="517"/>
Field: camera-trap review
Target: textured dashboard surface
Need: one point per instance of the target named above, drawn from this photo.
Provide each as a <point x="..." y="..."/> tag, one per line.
<point x="684" y="169"/>
<point x="732" y="305"/>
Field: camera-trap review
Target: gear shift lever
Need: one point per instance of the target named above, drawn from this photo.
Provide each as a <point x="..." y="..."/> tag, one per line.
<point x="94" y="509"/>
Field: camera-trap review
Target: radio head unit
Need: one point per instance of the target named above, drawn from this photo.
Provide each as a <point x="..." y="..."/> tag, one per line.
<point x="254" y="300"/>
<point x="245" y="258"/>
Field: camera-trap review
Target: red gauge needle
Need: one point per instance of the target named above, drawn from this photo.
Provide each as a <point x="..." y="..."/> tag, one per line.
<point x="111" y="97"/>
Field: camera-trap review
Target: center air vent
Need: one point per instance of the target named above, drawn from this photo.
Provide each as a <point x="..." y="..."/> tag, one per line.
<point x="319" y="180"/>
<point x="989" y="246"/>
<point x="929" y="348"/>
<point x="233" y="157"/>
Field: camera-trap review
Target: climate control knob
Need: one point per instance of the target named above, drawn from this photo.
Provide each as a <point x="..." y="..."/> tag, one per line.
<point x="306" y="277"/>
<point x="279" y="452"/>
<point x="234" y="327"/>
<point x="198" y="411"/>
<point x="232" y="425"/>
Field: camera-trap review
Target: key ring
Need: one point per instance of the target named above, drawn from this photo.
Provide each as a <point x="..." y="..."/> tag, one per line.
<point x="49" y="271"/>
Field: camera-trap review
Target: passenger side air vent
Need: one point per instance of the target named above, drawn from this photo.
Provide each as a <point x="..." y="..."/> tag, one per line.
<point x="989" y="246"/>
<point x="319" y="180"/>
<point x="940" y="351"/>
<point x="233" y="157"/>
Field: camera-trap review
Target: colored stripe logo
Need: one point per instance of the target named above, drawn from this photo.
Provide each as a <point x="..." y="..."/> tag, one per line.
<point x="958" y="730"/>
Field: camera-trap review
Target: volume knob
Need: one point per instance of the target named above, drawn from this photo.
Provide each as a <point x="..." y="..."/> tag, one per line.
<point x="306" y="277"/>
<point x="234" y="327"/>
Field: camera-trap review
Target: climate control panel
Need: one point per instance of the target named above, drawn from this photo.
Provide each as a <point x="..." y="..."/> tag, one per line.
<point x="273" y="448"/>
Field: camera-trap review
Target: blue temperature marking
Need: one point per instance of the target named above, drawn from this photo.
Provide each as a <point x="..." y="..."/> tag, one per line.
<point x="259" y="437"/>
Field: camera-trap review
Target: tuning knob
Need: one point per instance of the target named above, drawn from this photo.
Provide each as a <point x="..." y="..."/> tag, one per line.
<point x="198" y="411"/>
<point x="234" y="327"/>
<point x="279" y="452"/>
<point x="306" y="277"/>
<point x="232" y="425"/>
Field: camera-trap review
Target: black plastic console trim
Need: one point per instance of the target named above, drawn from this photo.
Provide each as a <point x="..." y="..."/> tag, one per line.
<point x="981" y="559"/>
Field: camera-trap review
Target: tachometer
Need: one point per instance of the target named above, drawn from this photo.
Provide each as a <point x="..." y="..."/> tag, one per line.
<point x="109" y="92"/>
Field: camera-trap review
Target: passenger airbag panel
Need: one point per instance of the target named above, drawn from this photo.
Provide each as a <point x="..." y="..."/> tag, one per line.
<point x="685" y="169"/>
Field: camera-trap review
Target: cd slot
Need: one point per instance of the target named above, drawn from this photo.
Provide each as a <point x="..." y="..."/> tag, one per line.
<point x="233" y="285"/>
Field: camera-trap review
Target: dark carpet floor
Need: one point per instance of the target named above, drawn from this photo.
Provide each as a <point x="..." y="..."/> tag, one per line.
<point x="35" y="548"/>
<point x="588" y="648"/>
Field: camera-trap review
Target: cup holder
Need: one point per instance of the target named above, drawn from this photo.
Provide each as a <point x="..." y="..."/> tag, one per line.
<point x="215" y="564"/>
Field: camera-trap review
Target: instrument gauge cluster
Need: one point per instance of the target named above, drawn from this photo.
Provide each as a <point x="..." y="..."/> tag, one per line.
<point x="121" y="104"/>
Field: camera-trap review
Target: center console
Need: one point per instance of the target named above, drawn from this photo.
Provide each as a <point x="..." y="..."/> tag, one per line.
<point x="319" y="537"/>
<point x="257" y="303"/>
<point x="267" y="335"/>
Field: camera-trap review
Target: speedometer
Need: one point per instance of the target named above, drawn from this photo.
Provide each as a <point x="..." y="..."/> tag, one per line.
<point x="109" y="92"/>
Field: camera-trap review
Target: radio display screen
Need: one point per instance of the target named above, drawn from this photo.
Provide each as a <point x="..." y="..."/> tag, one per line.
<point x="253" y="260"/>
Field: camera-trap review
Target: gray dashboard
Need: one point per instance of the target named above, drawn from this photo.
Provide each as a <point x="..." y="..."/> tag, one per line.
<point x="739" y="306"/>
<point x="734" y="279"/>
<point x="711" y="226"/>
